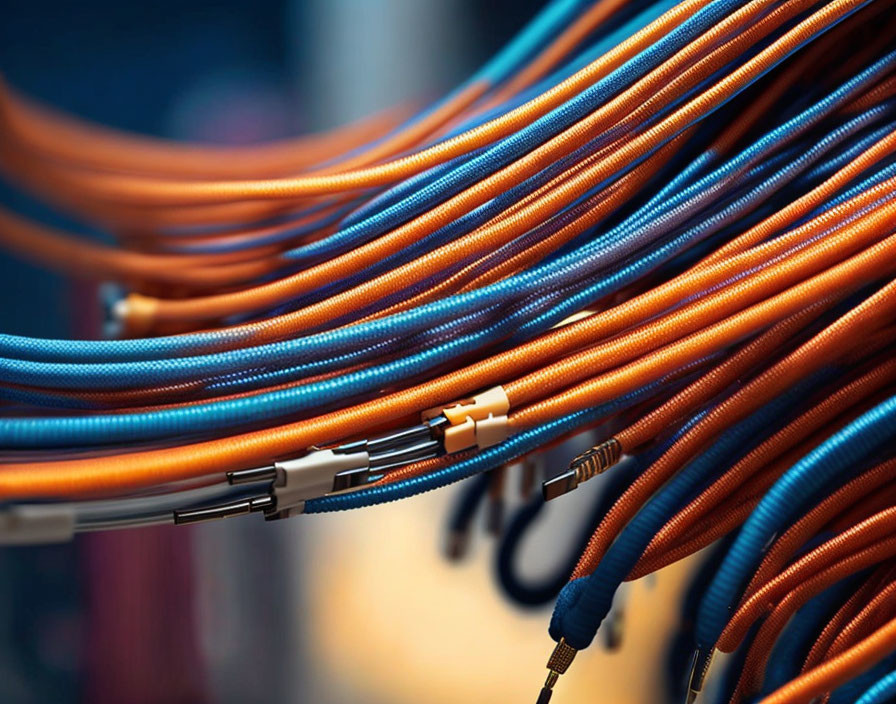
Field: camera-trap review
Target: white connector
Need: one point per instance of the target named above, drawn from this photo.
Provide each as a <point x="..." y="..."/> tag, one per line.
<point x="310" y="477"/>
<point x="292" y="483"/>
<point x="32" y="524"/>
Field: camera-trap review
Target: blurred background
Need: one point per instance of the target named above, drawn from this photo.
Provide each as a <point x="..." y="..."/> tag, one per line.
<point x="361" y="607"/>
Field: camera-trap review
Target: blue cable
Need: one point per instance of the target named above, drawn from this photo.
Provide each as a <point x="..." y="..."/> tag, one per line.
<point x="180" y="369"/>
<point x="831" y="462"/>
<point x="881" y="692"/>
<point x="585" y="602"/>
<point x="212" y="415"/>
<point x="849" y="692"/>
<point x="204" y="417"/>
<point x="536" y="593"/>
<point x="515" y="446"/>
<point x="791" y="649"/>
<point x="848" y="154"/>
<point x="48" y="349"/>
<point x="541" y="130"/>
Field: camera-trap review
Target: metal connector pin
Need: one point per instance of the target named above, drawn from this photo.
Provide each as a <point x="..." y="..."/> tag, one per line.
<point x="559" y="485"/>
<point x="247" y="476"/>
<point x="404" y="455"/>
<point x="390" y="441"/>
<point x="351" y="478"/>
<point x="253" y="504"/>
<point x="558" y="664"/>
<point x="700" y="665"/>
<point x="594" y="461"/>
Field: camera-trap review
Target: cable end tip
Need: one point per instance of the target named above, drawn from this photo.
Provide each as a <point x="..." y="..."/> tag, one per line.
<point x="559" y="485"/>
<point x="456" y="546"/>
<point x="559" y="662"/>
<point x="254" y="504"/>
<point x="700" y="664"/>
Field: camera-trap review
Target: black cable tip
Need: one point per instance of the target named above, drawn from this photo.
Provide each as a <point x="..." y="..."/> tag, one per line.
<point x="544" y="696"/>
<point x="457" y="545"/>
<point x="559" y="485"/>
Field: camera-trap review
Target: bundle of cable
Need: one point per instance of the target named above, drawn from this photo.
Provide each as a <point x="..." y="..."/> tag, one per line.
<point x="678" y="217"/>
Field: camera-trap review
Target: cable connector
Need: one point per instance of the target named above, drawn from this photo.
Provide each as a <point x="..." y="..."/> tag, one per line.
<point x="477" y="422"/>
<point x="262" y="503"/>
<point x="558" y="664"/>
<point x="312" y="476"/>
<point x="32" y="524"/>
<point x="292" y="482"/>
<point x="592" y="462"/>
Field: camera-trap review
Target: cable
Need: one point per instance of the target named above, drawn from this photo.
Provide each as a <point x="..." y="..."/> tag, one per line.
<point x="668" y="224"/>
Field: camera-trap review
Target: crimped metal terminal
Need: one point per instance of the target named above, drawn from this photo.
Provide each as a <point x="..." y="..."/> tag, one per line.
<point x="596" y="460"/>
<point x="558" y="663"/>
<point x="562" y="657"/>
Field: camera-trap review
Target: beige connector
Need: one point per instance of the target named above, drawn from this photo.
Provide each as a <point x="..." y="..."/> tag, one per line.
<point x="491" y="431"/>
<point x="460" y="437"/>
<point x="478" y="422"/>
<point x="492" y="402"/>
